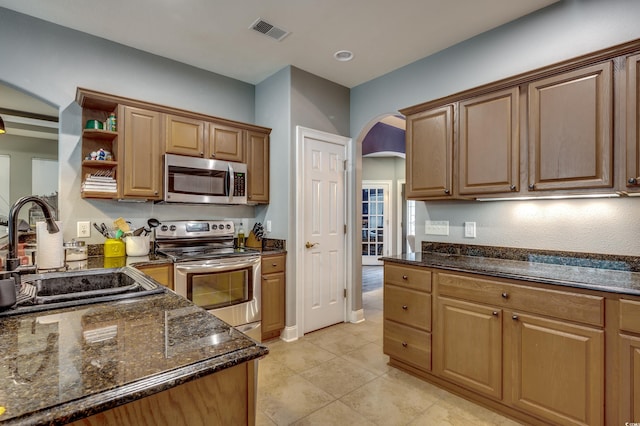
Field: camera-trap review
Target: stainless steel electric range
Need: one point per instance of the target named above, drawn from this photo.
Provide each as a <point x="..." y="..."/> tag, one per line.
<point x="211" y="272"/>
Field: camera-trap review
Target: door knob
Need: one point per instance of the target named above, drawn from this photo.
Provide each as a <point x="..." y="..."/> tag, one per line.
<point x="309" y="245"/>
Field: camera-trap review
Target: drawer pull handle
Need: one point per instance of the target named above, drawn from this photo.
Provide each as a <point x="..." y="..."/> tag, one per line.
<point x="515" y="318"/>
<point x="505" y="295"/>
<point x="404" y="277"/>
<point x="274" y="265"/>
<point x="405" y="307"/>
<point x="405" y="344"/>
<point x="494" y="313"/>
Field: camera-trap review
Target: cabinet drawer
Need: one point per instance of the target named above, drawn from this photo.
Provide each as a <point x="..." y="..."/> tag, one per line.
<point x="630" y="315"/>
<point x="407" y="306"/>
<point x="272" y="264"/>
<point x="408" y="276"/>
<point x="559" y="304"/>
<point x="407" y="344"/>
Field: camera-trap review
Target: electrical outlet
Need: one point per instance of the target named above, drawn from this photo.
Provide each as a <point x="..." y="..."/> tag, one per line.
<point x="83" y="229"/>
<point x="470" y="229"/>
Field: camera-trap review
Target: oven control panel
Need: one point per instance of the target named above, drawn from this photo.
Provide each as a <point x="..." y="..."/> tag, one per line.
<point x="194" y="229"/>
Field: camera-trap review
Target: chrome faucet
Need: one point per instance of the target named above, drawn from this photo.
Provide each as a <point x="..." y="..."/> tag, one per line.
<point x="13" y="261"/>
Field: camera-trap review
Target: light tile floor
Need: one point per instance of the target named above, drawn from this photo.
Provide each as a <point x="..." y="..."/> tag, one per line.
<point x="339" y="376"/>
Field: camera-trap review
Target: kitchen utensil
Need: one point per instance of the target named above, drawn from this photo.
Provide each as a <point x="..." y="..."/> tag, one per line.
<point x="105" y="231"/>
<point x="122" y="225"/>
<point x="153" y="223"/>
<point x="138" y="231"/>
<point x="95" y="225"/>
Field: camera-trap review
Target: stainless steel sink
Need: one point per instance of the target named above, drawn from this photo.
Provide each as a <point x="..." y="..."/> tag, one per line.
<point x="40" y="292"/>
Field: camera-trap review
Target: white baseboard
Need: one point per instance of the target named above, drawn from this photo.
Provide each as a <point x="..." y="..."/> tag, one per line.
<point x="356" y="317"/>
<point x="289" y="334"/>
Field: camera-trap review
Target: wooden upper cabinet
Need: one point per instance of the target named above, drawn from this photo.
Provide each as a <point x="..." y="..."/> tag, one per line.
<point x="429" y="153"/>
<point x="142" y="153"/>
<point x="258" y="167"/>
<point x="225" y="143"/>
<point x="570" y="130"/>
<point x="184" y="135"/>
<point x="632" y="177"/>
<point x="489" y="143"/>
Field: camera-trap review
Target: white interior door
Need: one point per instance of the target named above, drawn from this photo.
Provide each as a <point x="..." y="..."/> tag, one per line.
<point x="324" y="249"/>
<point x="376" y="219"/>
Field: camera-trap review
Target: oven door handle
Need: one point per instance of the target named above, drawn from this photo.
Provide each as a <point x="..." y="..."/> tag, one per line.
<point x="218" y="264"/>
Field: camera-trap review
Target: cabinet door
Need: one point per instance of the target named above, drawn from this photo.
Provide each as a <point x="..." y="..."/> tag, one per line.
<point x="633" y="123"/>
<point x="430" y="154"/>
<point x="184" y="135"/>
<point x="161" y="273"/>
<point x="258" y="167"/>
<point x="489" y="143"/>
<point x="468" y="348"/>
<point x="273" y="303"/>
<point x="142" y="154"/>
<point x="557" y="370"/>
<point x="630" y="378"/>
<point x="226" y="143"/>
<point x="570" y="130"/>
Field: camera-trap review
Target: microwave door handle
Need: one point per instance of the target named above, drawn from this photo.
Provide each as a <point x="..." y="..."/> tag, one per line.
<point x="230" y="182"/>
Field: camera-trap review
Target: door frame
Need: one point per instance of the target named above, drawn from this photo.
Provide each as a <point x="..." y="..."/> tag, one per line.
<point x="400" y="242"/>
<point x="387" y="244"/>
<point x="301" y="134"/>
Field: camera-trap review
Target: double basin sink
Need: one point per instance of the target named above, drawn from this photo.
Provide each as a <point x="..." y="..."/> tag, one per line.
<point x="41" y="292"/>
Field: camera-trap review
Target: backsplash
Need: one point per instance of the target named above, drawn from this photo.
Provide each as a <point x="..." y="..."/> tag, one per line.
<point x="588" y="260"/>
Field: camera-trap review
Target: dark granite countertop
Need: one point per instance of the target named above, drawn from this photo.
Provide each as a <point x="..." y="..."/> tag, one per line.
<point x="591" y="278"/>
<point x="62" y="365"/>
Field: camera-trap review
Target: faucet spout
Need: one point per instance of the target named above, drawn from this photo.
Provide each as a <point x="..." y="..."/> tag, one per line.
<point x="13" y="262"/>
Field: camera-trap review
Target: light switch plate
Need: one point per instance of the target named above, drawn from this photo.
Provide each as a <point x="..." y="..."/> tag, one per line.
<point x="436" y="227"/>
<point x="470" y="229"/>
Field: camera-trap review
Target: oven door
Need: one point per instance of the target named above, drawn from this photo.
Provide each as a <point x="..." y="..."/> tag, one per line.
<point x="229" y="287"/>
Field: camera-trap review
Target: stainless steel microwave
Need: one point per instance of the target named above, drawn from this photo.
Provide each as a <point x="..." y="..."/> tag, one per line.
<point x="204" y="181"/>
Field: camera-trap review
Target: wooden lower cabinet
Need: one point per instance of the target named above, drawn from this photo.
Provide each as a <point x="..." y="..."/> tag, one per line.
<point x="469" y="345"/>
<point x="630" y="378"/>
<point x="163" y="273"/>
<point x="557" y="369"/>
<point x="629" y="344"/>
<point x="273" y="297"/>
<point x="407" y="316"/>
<point x="223" y="398"/>
<point x="529" y="351"/>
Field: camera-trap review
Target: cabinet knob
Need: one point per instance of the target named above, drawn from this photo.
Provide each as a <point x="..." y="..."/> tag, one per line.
<point x="633" y="181"/>
<point x="404" y="277"/>
<point x="405" y="307"/>
<point x="532" y="187"/>
<point x="405" y="344"/>
<point x="513" y="188"/>
<point x="505" y="295"/>
<point x="494" y="313"/>
<point x="155" y="192"/>
<point x="213" y="156"/>
<point x="446" y="191"/>
<point x="515" y="318"/>
<point x="201" y="154"/>
<point x="274" y="264"/>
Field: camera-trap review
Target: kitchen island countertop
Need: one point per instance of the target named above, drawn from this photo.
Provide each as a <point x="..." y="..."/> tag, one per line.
<point x="62" y="365"/>
<point x="591" y="278"/>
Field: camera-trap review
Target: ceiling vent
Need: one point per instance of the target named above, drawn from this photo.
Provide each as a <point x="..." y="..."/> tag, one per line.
<point x="263" y="27"/>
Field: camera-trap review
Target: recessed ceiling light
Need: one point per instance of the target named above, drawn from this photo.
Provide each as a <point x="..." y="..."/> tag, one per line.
<point x="343" y="55"/>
